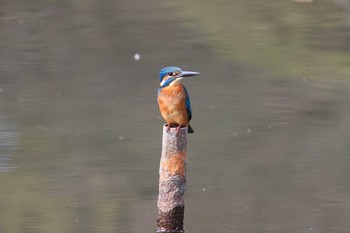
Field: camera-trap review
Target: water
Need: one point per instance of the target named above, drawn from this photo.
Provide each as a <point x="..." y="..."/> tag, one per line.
<point x="80" y="130"/>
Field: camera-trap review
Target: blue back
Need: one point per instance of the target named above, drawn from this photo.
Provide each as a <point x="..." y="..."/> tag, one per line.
<point x="188" y="104"/>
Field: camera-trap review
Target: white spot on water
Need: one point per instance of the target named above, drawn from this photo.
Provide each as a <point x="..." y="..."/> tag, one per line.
<point x="137" y="57"/>
<point x="249" y="131"/>
<point x="121" y="138"/>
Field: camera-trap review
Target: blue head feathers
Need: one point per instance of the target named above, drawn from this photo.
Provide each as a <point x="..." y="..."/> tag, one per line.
<point x="165" y="71"/>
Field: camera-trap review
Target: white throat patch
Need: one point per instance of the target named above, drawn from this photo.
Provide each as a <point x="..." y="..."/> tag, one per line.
<point x="162" y="83"/>
<point x="176" y="81"/>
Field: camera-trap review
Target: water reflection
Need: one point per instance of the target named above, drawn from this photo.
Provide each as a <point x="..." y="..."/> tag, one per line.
<point x="8" y="144"/>
<point x="81" y="135"/>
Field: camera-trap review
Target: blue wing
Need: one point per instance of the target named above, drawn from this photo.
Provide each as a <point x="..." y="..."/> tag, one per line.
<point x="188" y="105"/>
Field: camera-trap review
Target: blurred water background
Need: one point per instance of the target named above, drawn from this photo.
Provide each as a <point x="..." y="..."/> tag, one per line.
<point x="80" y="130"/>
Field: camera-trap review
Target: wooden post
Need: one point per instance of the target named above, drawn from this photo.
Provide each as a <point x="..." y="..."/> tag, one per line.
<point x="172" y="181"/>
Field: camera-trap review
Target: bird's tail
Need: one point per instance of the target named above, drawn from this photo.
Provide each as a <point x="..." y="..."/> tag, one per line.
<point x="190" y="130"/>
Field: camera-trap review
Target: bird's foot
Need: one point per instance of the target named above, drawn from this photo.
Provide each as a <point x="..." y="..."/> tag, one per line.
<point x="168" y="127"/>
<point x="178" y="129"/>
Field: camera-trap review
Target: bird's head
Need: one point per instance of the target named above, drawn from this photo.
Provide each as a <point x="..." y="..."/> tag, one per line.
<point x="172" y="75"/>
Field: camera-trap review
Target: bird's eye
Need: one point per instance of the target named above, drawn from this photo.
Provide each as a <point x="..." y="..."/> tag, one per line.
<point x="170" y="73"/>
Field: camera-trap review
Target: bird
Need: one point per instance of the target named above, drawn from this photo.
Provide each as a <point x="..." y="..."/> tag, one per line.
<point x="173" y="98"/>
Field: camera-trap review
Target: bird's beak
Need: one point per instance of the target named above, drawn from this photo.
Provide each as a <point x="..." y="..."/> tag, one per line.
<point x="188" y="74"/>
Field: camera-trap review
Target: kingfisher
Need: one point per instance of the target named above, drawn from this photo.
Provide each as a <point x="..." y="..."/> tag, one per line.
<point x="173" y="99"/>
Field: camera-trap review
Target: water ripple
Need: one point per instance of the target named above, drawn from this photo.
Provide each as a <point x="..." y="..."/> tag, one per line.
<point x="8" y="144"/>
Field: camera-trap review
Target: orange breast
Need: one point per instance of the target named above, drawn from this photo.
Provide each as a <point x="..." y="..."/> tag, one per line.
<point x="172" y="105"/>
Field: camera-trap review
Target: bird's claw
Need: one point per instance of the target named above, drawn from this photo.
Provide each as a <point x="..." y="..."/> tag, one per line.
<point x="178" y="129"/>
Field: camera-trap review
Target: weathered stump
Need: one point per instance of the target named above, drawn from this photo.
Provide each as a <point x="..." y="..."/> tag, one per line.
<point x="172" y="180"/>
